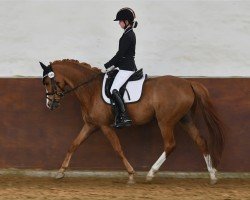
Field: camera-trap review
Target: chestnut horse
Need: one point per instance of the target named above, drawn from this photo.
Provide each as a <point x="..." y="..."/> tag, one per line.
<point x="169" y="99"/>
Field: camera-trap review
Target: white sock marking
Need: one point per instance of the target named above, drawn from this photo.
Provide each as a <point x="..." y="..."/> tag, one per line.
<point x="210" y="168"/>
<point x="157" y="165"/>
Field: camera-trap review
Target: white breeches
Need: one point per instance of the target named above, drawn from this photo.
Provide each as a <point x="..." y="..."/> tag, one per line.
<point x="121" y="77"/>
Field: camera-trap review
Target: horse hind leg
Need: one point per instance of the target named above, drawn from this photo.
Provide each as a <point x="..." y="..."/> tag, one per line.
<point x="188" y="125"/>
<point x="169" y="144"/>
<point x="156" y="166"/>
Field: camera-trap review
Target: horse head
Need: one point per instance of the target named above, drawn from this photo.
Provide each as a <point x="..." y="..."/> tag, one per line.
<point x="54" y="85"/>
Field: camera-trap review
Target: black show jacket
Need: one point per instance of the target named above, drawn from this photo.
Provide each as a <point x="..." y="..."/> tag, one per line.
<point x="124" y="58"/>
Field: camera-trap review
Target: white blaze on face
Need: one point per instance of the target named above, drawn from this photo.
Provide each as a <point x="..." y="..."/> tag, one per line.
<point x="47" y="100"/>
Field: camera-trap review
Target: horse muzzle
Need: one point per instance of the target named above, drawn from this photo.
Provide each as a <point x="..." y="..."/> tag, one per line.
<point x="52" y="105"/>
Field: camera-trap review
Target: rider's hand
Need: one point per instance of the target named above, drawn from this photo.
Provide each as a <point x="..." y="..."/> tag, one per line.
<point x="104" y="70"/>
<point x="108" y="70"/>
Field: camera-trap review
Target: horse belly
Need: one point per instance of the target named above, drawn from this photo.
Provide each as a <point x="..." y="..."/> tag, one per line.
<point x="140" y="114"/>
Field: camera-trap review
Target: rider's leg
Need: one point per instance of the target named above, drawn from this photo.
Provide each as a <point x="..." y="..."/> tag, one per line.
<point x="122" y="118"/>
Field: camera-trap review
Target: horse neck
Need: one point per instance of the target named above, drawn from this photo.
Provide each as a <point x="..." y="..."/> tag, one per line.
<point x="76" y="74"/>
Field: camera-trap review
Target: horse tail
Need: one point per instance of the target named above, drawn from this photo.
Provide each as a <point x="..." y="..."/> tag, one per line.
<point x="214" y="124"/>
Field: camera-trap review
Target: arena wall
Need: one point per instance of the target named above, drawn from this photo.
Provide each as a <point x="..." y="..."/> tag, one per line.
<point x="33" y="137"/>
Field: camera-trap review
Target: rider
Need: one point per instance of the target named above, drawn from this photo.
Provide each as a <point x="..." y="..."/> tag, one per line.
<point x="125" y="61"/>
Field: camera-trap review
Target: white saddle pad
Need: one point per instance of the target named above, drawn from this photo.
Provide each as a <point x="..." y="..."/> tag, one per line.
<point x="134" y="89"/>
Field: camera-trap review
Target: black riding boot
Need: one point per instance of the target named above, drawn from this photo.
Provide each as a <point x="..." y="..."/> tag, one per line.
<point x="121" y="117"/>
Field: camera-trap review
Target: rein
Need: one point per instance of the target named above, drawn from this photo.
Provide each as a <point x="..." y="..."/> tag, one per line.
<point x="64" y="92"/>
<point x="80" y="84"/>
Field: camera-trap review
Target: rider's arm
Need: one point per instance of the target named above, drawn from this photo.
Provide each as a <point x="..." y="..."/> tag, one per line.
<point x="123" y="47"/>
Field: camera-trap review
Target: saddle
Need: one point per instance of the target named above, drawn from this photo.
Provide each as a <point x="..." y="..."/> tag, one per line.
<point x="111" y="76"/>
<point x="132" y="87"/>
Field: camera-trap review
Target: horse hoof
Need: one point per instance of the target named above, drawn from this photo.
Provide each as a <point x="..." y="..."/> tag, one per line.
<point x="131" y="182"/>
<point x="149" y="178"/>
<point x="213" y="181"/>
<point x="59" y="175"/>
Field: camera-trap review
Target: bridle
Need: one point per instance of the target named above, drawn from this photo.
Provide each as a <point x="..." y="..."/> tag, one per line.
<point x="57" y="90"/>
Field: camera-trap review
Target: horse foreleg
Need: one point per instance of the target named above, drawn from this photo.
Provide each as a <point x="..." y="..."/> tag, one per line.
<point x="114" y="140"/>
<point x="82" y="136"/>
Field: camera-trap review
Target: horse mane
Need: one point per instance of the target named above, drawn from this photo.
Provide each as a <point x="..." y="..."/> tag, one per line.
<point x="83" y="64"/>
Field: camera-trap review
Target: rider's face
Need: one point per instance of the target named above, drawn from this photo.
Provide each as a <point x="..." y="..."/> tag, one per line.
<point x="122" y="24"/>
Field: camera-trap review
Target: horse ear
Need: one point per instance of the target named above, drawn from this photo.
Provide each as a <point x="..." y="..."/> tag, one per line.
<point x="43" y="65"/>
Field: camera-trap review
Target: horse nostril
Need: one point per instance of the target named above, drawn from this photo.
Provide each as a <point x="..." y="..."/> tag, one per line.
<point x="57" y="104"/>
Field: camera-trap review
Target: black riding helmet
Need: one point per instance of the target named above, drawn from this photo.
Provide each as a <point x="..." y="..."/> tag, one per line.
<point x="126" y="14"/>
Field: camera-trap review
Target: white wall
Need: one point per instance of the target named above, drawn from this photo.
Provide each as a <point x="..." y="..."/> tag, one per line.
<point x="183" y="38"/>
